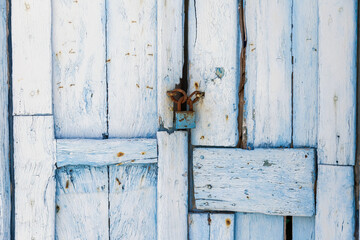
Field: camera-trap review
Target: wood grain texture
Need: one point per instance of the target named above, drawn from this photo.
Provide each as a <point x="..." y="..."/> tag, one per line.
<point x="303" y="228"/>
<point x="82" y="203"/>
<point x="270" y="181"/>
<point x="268" y="73"/>
<point x="4" y="128"/>
<point x="34" y="166"/>
<point x="170" y="58"/>
<point x="172" y="187"/>
<point x="133" y="189"/>
<point x="337" y="81"/>
<point x="222" y="227"/>
<point x="305" y="91"/>
<point x="199" y="226"/>
<point x="31" y="54"/>
<point x="96" y="152"/>
<point x="335" y="204"/>
<point x="305" y="72"/>
<point x="131" y="68"/>
<point x="206" y="226"/>
<point x="214" y="69"/>
<point x="258" y="227"/>
<point x="79" y="76"/>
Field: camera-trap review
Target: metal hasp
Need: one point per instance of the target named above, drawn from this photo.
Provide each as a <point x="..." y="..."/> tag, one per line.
<point x="185" y="119"/>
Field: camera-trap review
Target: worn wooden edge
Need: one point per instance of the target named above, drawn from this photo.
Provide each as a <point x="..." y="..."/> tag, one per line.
<point x="218" y="185"/>
<point x="172" y="185"/>
<point x="100" y="152"/>
<point x="5" y="202"/>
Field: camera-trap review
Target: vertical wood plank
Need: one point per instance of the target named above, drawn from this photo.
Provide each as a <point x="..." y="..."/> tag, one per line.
<point x="268" y="73"/>
<point x="337" y="81"/>
<point x="172" y="189"/>
<point x="4" y="128"/>
<point x="170" y="38"/>
<point x="305" y="89"/>
<point x="31" y="50"/>
<point x="79" y="77"/>
<point x="335" y="205"/>
<point x="82" y="203"/>
<point x="303" y="228"/>
<point x="267" y="114"/>
<point x="199" y="226"/>
<point x="34" y="164"/>
<point x="214" y="69"/>
<point x="222" y="227"/>
<point x="132" y="208"/>
<point x="258" y="226"/>
<point x="131" y="66"/>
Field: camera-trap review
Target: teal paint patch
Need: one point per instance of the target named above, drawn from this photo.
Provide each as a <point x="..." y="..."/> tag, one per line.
<point x="220" y="72"/>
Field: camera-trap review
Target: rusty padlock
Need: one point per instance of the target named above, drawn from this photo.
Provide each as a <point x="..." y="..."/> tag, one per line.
<point x="185" y="119"/>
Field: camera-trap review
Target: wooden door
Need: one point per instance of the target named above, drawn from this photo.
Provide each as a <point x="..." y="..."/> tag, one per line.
<point x="95" y="153"/>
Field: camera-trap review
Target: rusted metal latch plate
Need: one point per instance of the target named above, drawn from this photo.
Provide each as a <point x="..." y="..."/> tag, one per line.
<point x="185" y="119"/>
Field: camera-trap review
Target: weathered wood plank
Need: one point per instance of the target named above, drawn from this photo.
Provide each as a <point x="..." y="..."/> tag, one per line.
<point x="99" y="152"/>
<point x="305" y="89"/>
<point x="79" y="76"/>
<point x="303" y="228"/>
<point x="267" y="93"/>
<point x="270" y="181"/>
<point x="199" y="226"/>
<point x="221" y="226"/>
<point x="34" y="166"/>
<point x="268" y="73"/>
<point x="31" y="53"/>
<point x="4" y="128"/>
<point x="131" y="67"/>
<point x="172" y="188"/>
<point x="214" y="69"/>
<point x="82" y="203"/>
<point x="170" y="38"/>
<point x="259" y="227"/>
<point x="133" y="189"/>
<point x="335" y="204"/>
<point x="337" y="81"/>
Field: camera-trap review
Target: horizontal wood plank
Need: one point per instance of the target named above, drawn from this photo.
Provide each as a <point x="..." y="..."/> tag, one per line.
<point x="270" y="181"/>
<point x="98" y="152"/>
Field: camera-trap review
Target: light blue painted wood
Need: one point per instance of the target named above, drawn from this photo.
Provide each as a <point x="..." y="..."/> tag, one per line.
<point x="170" y="58"/>
<point x="335" y="203"/>
<point x="133" y="189"/>
<point x="131" y="68"/>
<point x="214" y="69"/>
<point x="305" y="90"/>
<point x="258" y="227"/>
<point x="78" y="60"/>
<point x="34" y="177"/>
<point x="172" y="187"/>
<point x="31" y="55"/>
<point x="99" y="152"/>
<point x="303" y="228"/>
<point x="337" y="81"/>
<point x="82" y="203"/>
<point x="4" y="128"/>
<point x="270" y="181"/>
<point x="267" y="93"/>
<point x="222" y="227"/>
<point x="199" y="226"/>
